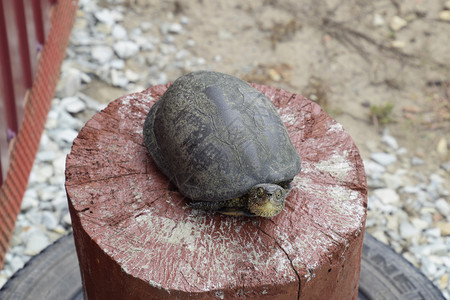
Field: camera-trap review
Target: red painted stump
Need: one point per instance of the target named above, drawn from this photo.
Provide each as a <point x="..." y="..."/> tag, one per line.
<point x="137" y="239"/>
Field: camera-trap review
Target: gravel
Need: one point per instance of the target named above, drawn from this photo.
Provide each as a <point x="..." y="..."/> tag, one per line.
<point x="408" y="208"/>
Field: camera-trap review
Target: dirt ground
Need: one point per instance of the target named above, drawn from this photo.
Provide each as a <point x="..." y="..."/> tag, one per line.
<point x="355" y="58"/>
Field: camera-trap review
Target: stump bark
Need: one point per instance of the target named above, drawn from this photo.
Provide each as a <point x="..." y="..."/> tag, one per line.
<point x="137" y="239"/>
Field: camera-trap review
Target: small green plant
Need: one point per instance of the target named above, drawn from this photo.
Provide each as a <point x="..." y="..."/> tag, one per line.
<point x="382" y="114"/>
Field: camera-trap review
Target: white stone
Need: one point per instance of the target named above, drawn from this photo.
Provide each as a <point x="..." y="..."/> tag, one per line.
<point x="33" y="216"/>
<point x="161" y="79"/>
<point x="132" y="76"/>
<point x="119" y="32"/>
<point x="103" y="72"/>
<point x="135" y="88"/>
<point x="175" y="28"/>
<point x="416" y="161"/>
<point x="80" y="38"/>
<point x="43" y="172"/>
<point x="105" y="16"/>
<point x="384" y="159"/>
<point x="51" y="123"/>
<point x="67" y="121"/>
<point x="136" y="31"/>
<point x="373" y="203"/>
<point x="372" y="167"/>
<point x="167" y="49"/>
<point x="102" y="54"/>
<point x="46" y="155"/>
<point x="118" y="78"/>
<point x="184" y="20"/>
<point x="67" y="219"/>
<point x="390" y="141"/>
<point x="60" y="230"/>
<point x="16" y="263"/>
<point x="47" y="143"/>
<point x="392" y="222"/>
<point x="443" y="207"/>
<point x="59" y="165"/>
<point x="70" y="83"/>
<point x="73" y="105"/>
<point x="445" y="15"/>
<point x="28" y="203"/>
<point x="392" y="181"/>
<point x="386" y="195"/>
<point x="190" y="43"/>
<point x="378" y="20"/>
<point x="411" y="189"/>
<point x="398" y="44"/>
<point x="126" y="49"/>
<point x="37" y="242"/>
<point x="48" y="193"/>
<point x="397" y="23"/>
<point x="168" y="39"/>
<point x="182" y="54"/>
<point x="31" y="193"/>
<point x="64" y="135"/>
<point x="419" y="223"/>
<point x="199" y="61"/>
<point x="145" y="26"/>
<point x="370" y="222"/>
<point x="411" y="258"/>
<point x="144" y="43"/>
<point x="433" y="232"/>
<point x="85" y="78"/>
<point x="59" y="203"/>
<point x="117" y="64"/>
<point x="225" y="34"/>
<point x="436" y="178"/>
<point x="402" y="151"/>
<point x="49" y="220"/>
<point x="44" y="206"/>
<point x="428" y="267"/>
<point x="381" y="236"/>
<point x="3" y="279"/>
<point x="407" y="230"/>
<point x="435" y="188"/>
<point x="91" y="103"/>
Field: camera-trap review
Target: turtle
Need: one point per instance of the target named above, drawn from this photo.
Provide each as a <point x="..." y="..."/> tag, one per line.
<point x="222" y="144"/>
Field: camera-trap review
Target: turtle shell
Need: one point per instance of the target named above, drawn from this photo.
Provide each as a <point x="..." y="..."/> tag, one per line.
<point x="215" y="137"/>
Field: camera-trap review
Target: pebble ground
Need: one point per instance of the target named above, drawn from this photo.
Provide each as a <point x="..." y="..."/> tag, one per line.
<point x="408" y="209"/>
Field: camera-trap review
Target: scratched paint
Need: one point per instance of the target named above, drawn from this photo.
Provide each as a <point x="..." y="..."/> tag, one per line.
<point x="151" y="233"/>
<point x="338" y="166"/>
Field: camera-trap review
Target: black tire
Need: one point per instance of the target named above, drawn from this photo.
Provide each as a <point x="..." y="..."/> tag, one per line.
<point x="387" y="275"/>
<point x="54" y="274"/>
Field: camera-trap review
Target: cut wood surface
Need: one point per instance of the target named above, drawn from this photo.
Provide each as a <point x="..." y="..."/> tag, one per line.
<point x="137" y="238"/>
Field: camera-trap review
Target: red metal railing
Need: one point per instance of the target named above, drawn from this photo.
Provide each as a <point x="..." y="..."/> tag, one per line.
<point x="23" y="28"/>
<point x="33" y="37"/>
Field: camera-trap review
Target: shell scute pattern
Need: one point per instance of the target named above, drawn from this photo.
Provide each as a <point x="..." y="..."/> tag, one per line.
<point x="216" y="137"/>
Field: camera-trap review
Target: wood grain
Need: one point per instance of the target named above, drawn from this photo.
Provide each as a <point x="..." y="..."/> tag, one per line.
<point x="136" y="237"/>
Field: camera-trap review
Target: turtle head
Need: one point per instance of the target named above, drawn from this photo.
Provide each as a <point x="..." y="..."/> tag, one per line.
<point x="266" y="200"/>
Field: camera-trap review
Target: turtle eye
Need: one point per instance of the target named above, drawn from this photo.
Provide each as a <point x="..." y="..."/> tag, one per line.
<point x="260" y="192"/>
<point x="278" y="194"/>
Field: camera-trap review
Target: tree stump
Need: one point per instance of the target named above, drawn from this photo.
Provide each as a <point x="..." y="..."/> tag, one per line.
<point x="137" y="239"/>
